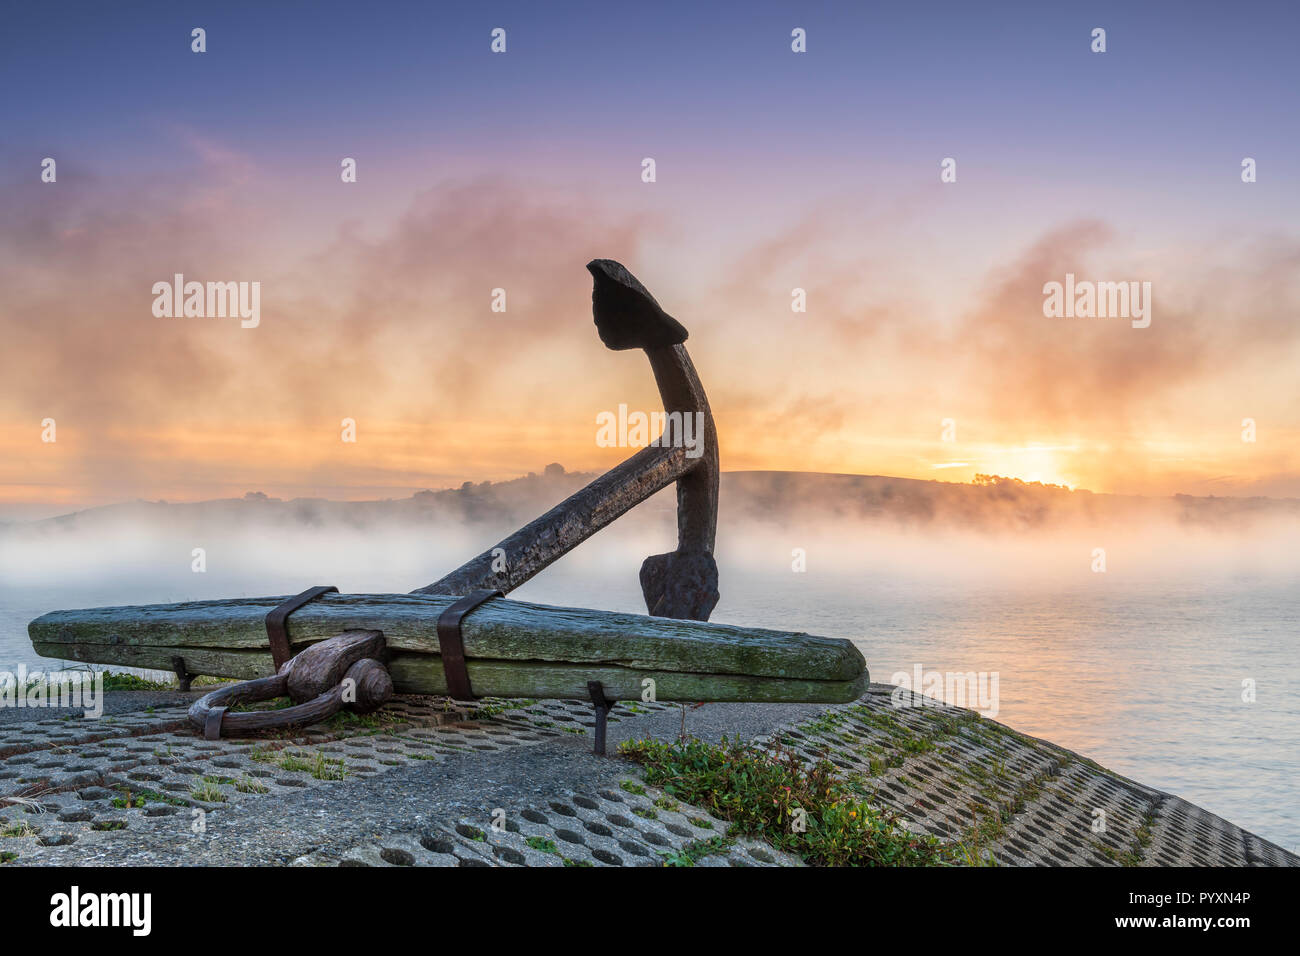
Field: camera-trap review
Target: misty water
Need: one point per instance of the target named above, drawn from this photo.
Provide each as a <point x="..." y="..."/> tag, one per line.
<point x="1140" y="668"/>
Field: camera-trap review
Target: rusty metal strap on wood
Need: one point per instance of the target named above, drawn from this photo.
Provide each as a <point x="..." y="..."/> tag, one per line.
<point x="277" y="621"/>
<point x="451" y="643"/>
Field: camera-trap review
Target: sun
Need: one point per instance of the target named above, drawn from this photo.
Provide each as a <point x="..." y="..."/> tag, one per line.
<point x="1032" y="462"/>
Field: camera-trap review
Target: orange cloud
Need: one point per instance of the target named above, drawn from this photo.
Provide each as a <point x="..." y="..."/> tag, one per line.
<point x="395" y="331"/>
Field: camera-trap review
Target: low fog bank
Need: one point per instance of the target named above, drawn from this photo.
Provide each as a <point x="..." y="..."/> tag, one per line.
<point x="1002" y="532"/>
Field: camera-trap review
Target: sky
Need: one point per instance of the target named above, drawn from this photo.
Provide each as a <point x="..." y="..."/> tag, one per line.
<point x="923" y="352"/>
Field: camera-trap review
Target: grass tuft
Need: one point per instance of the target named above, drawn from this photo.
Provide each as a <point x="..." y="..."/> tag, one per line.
<point x="695" y="851"/>
<point x="207" y="790"/>
<point x="250" y="785"/>
<point x="761" y="793"/>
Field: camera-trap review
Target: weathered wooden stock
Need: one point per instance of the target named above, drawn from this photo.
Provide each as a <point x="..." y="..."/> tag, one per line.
<point x="513" y="648"/>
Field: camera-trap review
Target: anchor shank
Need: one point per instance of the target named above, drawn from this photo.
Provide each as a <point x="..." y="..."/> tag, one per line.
<point x="697" y="490"/>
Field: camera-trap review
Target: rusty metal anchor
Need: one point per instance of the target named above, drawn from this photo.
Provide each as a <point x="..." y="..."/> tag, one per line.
<point x="348" y="670"/>
<point x="681" y="583"/>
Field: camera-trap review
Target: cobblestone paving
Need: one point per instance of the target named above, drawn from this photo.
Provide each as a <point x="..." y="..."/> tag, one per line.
<point x="1021" y="801"/>
<point x="630" y="826"/>
<point x="70" y="786"/>
<point x="67" y="783"/>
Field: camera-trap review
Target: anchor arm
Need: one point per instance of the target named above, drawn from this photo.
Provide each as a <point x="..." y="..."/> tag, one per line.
<point x="544" y="540"/>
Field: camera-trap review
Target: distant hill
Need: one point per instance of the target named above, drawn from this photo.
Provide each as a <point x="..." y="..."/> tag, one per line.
<point x="761" y="497"/>
<point x="991" y="503"/>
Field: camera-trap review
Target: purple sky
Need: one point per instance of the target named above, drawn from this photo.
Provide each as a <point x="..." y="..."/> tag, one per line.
<point x="775" y="170"/>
